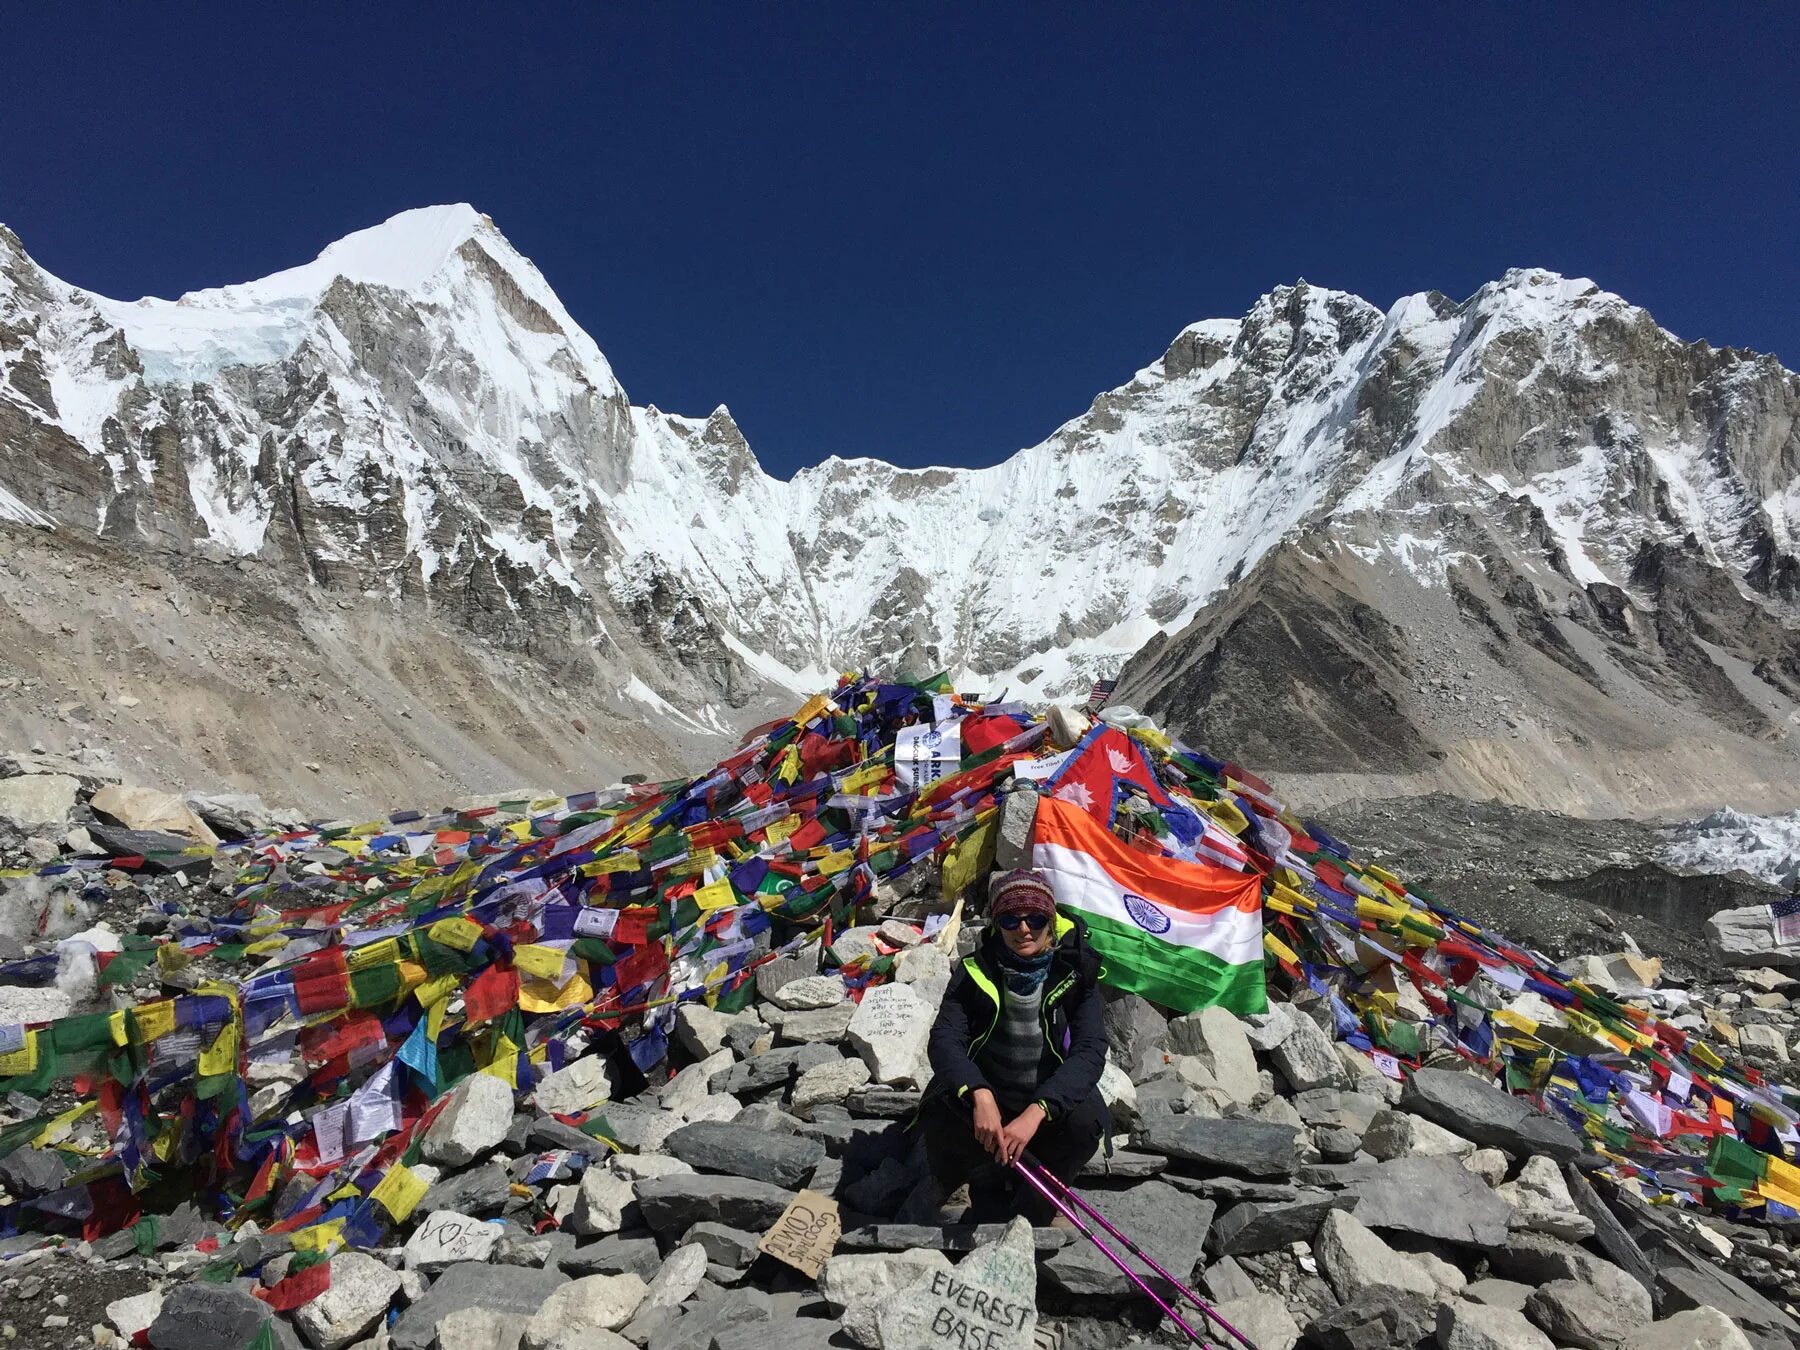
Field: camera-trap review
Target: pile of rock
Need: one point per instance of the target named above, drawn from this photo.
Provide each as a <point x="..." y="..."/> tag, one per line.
<point x="1312" y="1199"/>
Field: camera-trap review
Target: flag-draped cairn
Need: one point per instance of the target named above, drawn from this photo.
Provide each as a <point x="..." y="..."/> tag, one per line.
<point x="375" y="965"/>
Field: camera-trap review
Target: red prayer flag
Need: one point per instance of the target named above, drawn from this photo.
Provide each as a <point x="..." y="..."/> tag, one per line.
<point x="492" y="993"/>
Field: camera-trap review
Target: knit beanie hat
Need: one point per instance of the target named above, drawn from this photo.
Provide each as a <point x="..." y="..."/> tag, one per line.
<point x="1021" y="892"/>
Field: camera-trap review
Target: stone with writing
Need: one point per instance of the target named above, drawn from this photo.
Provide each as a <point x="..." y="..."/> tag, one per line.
<point x="806" y="1233"/>
<point x="988" y="1302"/>
<point x="447" y="1237"/>
<point x="889" y="1031"/>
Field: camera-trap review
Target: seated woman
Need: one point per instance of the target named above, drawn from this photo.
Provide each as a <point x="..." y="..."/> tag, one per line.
<point x="1017" y="1049"/>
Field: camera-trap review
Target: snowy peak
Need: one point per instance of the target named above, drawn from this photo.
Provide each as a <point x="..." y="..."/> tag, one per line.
<point x="415" y="419"/>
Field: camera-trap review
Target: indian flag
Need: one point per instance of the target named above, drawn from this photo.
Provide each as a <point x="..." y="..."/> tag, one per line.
<point x="1185" y="935"/>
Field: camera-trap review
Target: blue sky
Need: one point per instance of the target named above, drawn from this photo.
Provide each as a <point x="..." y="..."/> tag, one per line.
<point x="926" y="233"/>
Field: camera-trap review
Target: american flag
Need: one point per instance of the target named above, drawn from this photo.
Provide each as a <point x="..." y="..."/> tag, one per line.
<point x="1098" y="695"/>
<point x="1786" y="914"/>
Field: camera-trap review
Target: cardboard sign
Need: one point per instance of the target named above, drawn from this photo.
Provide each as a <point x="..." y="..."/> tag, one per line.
<point x="806" y="1233"/>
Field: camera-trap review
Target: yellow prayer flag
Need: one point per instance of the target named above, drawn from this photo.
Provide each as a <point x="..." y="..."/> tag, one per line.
<point x="626" y="861"/>
<point x="715" y="895"/>
<point x="154" y="1019"/>
<point x="382" y="953"/>
<point x="21" y="1061"/>
<point x="116" y="1025"/>
<point x="320" y="1236"/>
<point x="833" y="863"/>
<point x="221" y="1055"/>
<point x="399" y="1192"/>
<point x="781" y="829"/>
<point x="544" y="963"/>
<point x="460" y="934"/>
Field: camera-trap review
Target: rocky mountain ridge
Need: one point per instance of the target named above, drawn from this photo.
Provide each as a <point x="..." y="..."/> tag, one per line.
<point x="1302" y="523"/>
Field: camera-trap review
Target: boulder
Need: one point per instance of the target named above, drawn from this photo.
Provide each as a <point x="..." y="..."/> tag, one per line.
<point x="810" y="992"/>
<point x="1267" y="1226"/>
<point x="1012" y="843"/>
<point x="601" y="1204"/>
<point x="37" y="802"/>
<point x="781" y="1159"/>
<point x="1306" y="1056"/>
<point x="989" y="1299"/>
<point x="889" y="1031"/>
<point x="1695" y="1329"/>
<point x="1541" y="1202"/>
<point x="134" y="1314"/>
<point x="480" y="1329"/>
<point x="614" y="1255"/>
<point x="1217" y="1039"/>
<point x="164" y="853"/>
<point x="1135" y="1035"/>
<point x="202" y="1316"/>
<point x="474" y="1123"/>
<point x="1356" y="1262"/>
<point x="1264" y="1320"/>
<point x="700" y="1030"/>
<point x="1435" y="1198"/>
<point x="1252" y="1147"/>
<point x="723" y="1244"/>
<point x="575" y="1087"/>
<point x="1481" y="1112"/>
<point x="31" y="1172"/>
<point x="1465" y="1325"/>
<point x="138" y="808"/>
<point x="480" y="1190"/>
<point x="1170" y="1224"/>
<point x="446" y="1238"/>
<point x="1334" y="1108"/>
<point x="578" y="1308"/>
<point x="678" y="1278"/>
<point x="1746" y="937"/>
<point x="1398" y="1134"/>
<point x="828" y="1084"/>
<point x="361" y="1289"/>
<point x="858" y="1284"/>
<point x="1499" y="1293"/>
<point x="672" y="1205"/>
<point x="511" y="1290"/>
<point x="1579" y="1314"/>
<point x="820" y="1025"/>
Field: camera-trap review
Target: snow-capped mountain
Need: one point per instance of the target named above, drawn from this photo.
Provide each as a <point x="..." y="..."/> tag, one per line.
<point x="1311" y="515"/>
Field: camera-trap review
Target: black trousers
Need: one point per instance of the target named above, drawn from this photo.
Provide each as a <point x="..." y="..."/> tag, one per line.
<point x="1063" y="1145"/>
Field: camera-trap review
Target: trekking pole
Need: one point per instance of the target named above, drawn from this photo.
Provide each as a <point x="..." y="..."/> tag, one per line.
<point x="1110" y="1254"/>
<point x="1045" y="1178"/>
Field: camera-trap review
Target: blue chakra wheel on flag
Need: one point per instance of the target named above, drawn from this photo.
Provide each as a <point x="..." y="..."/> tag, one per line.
<point x="1146" y="914"/>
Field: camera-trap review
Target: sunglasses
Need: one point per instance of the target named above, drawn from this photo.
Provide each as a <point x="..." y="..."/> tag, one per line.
<point x="1037" y="923"/>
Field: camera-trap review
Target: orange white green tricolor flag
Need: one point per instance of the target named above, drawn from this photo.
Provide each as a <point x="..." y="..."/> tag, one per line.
<point x="1185" y="935"/>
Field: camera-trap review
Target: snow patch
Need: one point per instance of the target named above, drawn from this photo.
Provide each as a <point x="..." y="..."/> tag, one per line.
<point x="1767" y="847"/>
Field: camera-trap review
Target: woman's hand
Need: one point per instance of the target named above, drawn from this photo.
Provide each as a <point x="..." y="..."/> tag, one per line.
<point x="987" y="1123"/>
<point x="1017" y="1136"/>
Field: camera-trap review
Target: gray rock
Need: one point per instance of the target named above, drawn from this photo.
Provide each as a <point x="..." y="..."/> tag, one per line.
<point x="1499" y="1293"/>
<point x="700" y="1323"/>
<point x="1306" y="1056"/>
<point x="1400" y="1134"/>
<point x="502" y="1289"/>
<point x="881" y="1191"/>
<point x="31" y="1172"/>
<point x="1170" y="1224"/>
<point x="1575" y="1313"/>
<point x="990" y="1299"/>
<point x="671" y="1205"/>
<point x="203" y="1316"/>
<point x="39" y="801"/>
<point x="827" y="1085"/>
<point x="1541" y="1202"/>
<point x="578" y="1308"/>
<point x="576" y="1087"/>
<point x="614" y="1255"/>
<point x="535" y="1250"/>
<point x="1356" y="1262"/>
<point x="1537" y="1259"/>
<point x="1609" y="1234"/>
<point x="472" y="1125"/>
<point x="853" y="944"/>
<point x="810" y="993"/>
<point x="1226" y="1279"/>
<point x="889" y="1031"/>
<point x="1352" y="1111"/>
<point x="786" y="969"/>
<point x="639" y="1127"/>
<point x="779" y="1333"/>
<point x="700" y="1030"/>
<point x="821" y="1025"/>
<point x="1479" y="1111"/>
<point x="1695" y="1329"/>
<point x="547" y="1134"/>
<point x="603" y="1203"/>
<point x="723" y="1244"/>
<point x="1257" y="1226"/>
<point x="1252" y="1147"/>
<point x="1463" y="1325"/>
<point x="1746" y="937"/>
<point x="1372" y="1320"/>
<point x="1217" y="1039"/>
<point x="1336" y="1145"/>
<point x="1435" y="1198"/>
<point x="1700" y="1284"/>
<point x="1135" y="1034"/>
<point x="1012" y="843"/>
<point x="679" y="1277"/>
<point x="164" y="852"/>
<point x="900" y="1237"/>
<point x="857" y="1285"/>
<point x="1124" y="1164"/>
<point x="361" y="1289"/>
<point x="446" y="1238"/>
<point x="481" y="1190"/>
<point x="1263" y="1319"/>
<point x="480" y="1329"/>
<point x="779" y="1159"/>
<point x="878" y="1101"/>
